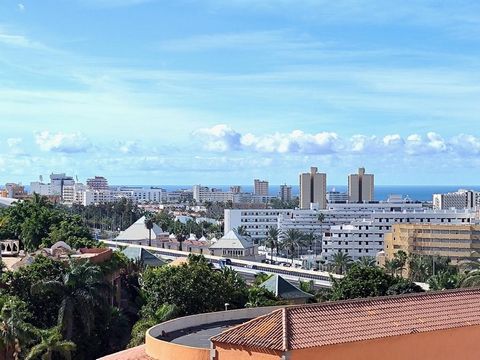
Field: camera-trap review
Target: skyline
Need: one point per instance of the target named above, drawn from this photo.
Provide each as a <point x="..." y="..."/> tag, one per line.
<point x="217" y="92"/>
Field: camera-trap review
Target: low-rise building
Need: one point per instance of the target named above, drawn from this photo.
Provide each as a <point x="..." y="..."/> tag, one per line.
<point x="138" y="234"/>
<point x="440" y="325"/>
<point x="234" y="245"/>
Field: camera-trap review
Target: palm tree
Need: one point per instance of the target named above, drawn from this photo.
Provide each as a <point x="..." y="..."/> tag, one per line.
<point x="367" y="261"/>
<point x="241" y="231"/>
<point x="341" y="261"/>
<point x="149" y="226"/>
<point x="83" y="291"/>
<point x="419" y="268"/>
<point x="272" y="240"/>
<point x="51" y="342"/>
<point x="290" y="239"/>
<point x="471" y="277"/>
<point x="180" y="238"/>
<point x="14" y="331"/>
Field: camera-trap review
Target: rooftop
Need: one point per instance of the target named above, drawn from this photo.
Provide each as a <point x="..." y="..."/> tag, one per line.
<point x="299" y="327"/>
<point x="232" y="240"/>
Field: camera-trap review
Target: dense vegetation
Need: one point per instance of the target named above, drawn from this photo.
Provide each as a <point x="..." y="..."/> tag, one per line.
<point x="52" y="309"/>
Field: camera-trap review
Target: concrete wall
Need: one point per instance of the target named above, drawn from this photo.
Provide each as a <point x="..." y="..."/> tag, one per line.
<point x="164" y="350"/>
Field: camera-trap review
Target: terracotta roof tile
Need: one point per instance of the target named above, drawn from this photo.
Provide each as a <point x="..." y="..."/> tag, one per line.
<point x="136" y="353"/>
<point x="298" y="327"/>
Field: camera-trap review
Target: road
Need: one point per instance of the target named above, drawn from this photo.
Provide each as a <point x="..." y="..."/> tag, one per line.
<point x="248" y="269"/>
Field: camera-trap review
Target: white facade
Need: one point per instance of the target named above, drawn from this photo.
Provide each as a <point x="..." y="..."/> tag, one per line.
<point x="365" y="237"/>
<point x="336" y="197"/>
<point x="256" y="222"/>
<point x="72" y="194"/>
<point x="203" y="194"/>
<point x="54" y="188"/>
<point x="462" y="199"/>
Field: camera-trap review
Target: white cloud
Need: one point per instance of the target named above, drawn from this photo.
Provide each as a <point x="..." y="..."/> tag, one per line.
<point x="21" y="7"/>
<point x="62" y="142"/>
<point x="219" y="138"/>
<point x="222" y="138"/>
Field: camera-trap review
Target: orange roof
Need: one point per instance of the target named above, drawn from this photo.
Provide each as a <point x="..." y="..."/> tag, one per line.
<point x="306" y="326"/>
<point x="136" y="353"/>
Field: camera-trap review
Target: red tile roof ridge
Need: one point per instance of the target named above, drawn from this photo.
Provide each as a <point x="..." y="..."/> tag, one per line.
<point x="298" y="326"/>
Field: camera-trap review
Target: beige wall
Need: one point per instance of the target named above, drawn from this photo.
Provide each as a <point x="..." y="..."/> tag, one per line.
<point x="452" y="344"/>
<point x="454" y="241"/>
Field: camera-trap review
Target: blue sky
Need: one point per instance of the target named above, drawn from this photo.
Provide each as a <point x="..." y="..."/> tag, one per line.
<point x="220" y="92"/>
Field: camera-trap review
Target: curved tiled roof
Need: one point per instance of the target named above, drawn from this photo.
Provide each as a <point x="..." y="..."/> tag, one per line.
<point x="299" y="327"/>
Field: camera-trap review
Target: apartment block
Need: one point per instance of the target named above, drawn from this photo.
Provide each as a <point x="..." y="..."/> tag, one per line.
<point x="313" y="188"/>
<point x="461" y="199"/>
<point x="361" y="187"/>
<point x="456" y="241"/>
<point x="260" y="187"/>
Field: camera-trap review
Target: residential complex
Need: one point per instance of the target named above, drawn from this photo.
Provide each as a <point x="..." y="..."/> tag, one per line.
<point x="366" y="237"/>
<point x="260" y="187"/>
<point x="462" y="199"/>
<point x="361" y="187"/>
<point x="458" y="242"/>
<point x="334" y="197"/>
<point x="313" y="188"/>
<point x="429" y="326"/>
<point x="203" y="194"/>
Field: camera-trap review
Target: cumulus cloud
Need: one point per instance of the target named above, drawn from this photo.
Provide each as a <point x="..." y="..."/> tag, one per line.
<point x="62" y="142"/>
<point x="219" y="138"/>
<point x="222" y="138"/>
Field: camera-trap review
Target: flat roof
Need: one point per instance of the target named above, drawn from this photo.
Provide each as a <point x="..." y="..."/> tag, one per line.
<point x="199" y="336"/>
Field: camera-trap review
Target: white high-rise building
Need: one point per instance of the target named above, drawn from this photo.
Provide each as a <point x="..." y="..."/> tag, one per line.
<point x="361" y="187"/>
<point x="313" y="188"/>
<point x="462" y="199"/>
<point x="260" y="187"/>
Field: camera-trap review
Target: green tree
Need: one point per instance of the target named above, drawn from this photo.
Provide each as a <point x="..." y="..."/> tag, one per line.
<point x="362" y="282"/>
<point x="291" y="239"/>
<point x="272" y="240"/>
<point x="367" y="261"/>
<point x="15" y="332"/>
<point x="149" y="225"/>
<point x="341" y="261"/>
<point x="259" y="296"/>
<point x="82" y="291"/>
<point x="195" y="287"/>
<point x="51" y="342"/>
<point x="164" y="313"/>
<point x="72" y="231"/>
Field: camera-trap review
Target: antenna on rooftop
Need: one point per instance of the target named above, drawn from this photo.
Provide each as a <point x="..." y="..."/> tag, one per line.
<point x="41" y="178"/>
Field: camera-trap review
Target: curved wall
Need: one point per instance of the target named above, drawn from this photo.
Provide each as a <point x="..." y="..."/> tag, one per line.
<point x="164" y="350"/>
